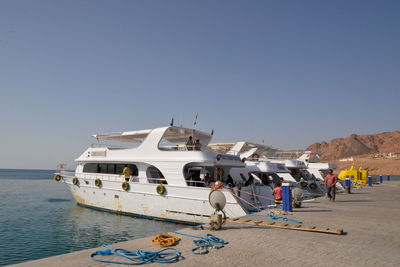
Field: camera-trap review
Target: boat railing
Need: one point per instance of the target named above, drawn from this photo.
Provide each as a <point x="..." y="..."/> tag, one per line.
<point x="196" y="183"/>
<point x="104" y="176"/>
<point x="98" y="145"/>
<point x="118" y="178"/>
<point x="157" y="180"/>
<point x="66" y="173"/>
<point x="181" y="148"/>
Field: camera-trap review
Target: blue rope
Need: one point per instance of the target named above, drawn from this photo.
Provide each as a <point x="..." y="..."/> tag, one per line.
<point x="166" y="255"/>
<point x="273" y="217"/>
<point x="203" y="243"/>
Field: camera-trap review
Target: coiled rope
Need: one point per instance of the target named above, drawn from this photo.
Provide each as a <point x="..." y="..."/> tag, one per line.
<point x="138" y="257"/>
<point x="203" y="244"/>
<point x="165" y="240"/>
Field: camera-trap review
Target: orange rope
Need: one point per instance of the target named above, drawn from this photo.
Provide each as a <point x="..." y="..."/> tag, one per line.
<point x="165" y="240"/>
<point x="254" y="194"/>
<point x="243" y="199"/>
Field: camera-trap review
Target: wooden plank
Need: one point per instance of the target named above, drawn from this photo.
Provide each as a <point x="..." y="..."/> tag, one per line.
<point x="287" y="226"/>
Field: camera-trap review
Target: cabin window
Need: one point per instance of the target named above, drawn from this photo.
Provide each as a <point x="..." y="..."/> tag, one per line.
<point x="90" y="167"/>
<point x="109" y="168"/>
<point x="102" y="168"/>
<point x="155" y="176"/>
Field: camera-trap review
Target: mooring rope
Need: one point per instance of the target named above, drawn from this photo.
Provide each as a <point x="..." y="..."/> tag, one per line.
<point x="138" y="257"/>
<point x="254" y="194"/>
<point x="203" y="244"/>
<point x="257" y="208"/>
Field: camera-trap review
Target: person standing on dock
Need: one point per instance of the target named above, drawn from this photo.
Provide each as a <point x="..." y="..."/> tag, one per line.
<point x="330" y="183"/>
<point x="277" y="192"/>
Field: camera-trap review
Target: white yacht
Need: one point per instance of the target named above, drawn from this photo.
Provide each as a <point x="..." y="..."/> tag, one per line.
<point x="167" y="180"/>
<point x="319" y="169"/>
<point x="255" y="182"/>
<point x="262" y="167"/>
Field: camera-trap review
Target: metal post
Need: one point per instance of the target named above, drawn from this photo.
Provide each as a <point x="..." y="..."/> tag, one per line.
<point x="380" y="179"/>
<point x="388" y="177"/>
<point x="347" y="184"/>
<point x="286" y="197"/>
<point x="369" y="180"/>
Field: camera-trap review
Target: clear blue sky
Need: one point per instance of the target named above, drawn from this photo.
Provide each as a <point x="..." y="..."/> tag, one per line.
<point x="290" y="72"/>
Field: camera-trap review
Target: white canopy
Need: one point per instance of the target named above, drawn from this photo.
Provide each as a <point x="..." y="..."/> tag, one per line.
<point x="130" y="136"/>
<point x="171" y="134"/>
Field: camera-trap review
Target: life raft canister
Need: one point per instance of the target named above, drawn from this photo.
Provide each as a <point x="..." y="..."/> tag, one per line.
<point x="303" y="183"/>
<point x="97" y="182"/>
<point x="125" y="186"/>
<point x="57" y="177"/>
<point x="160" y="189"/>
<point x="75" y="181"/>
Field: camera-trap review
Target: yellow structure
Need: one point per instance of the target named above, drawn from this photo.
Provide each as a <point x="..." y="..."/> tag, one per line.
<point x="364" y="173"/>
<point x="358" y="177"/>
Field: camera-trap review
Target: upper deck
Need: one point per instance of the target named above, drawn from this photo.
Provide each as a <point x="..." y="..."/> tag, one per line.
<point x="165" y="138"/>
<point x="165" y="144"/>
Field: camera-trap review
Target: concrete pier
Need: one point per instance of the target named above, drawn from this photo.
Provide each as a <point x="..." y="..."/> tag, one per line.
<point x="370" y="216"/>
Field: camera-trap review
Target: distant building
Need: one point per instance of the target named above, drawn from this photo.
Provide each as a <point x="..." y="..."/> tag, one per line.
<point x="346" y="159"/>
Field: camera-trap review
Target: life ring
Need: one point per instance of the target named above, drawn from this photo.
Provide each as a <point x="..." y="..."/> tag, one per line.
<point x="313" y="186"/>
<point x="97" y="182"/>
<point x="125" y="186"/>
<point x="160" y="189"/>
<point x="75" y="181"/>
<point x="255" y="156"/>
<point x="57" y="177"/>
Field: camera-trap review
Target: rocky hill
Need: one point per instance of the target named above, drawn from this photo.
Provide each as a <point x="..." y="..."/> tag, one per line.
<point x="355" y="145"/>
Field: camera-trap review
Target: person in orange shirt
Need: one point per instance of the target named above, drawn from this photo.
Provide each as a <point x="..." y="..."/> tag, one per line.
<point x="277" y="192"/>
<point x="330" y="184"/>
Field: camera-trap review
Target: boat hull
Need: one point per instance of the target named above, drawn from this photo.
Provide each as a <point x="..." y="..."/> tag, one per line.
<point x="177" y="204"/>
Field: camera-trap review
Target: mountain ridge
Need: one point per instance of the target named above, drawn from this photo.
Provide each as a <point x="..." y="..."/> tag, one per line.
<point x="356" y="145"/>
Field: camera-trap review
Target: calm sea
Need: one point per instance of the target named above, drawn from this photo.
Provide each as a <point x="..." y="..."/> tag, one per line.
<point x="39" y="218"/>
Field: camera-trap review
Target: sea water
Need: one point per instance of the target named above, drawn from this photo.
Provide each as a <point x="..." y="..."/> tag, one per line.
<point x="39" y="218"/>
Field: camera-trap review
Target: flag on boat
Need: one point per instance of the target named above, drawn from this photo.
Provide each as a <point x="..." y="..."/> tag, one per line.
<point x="172" y="122"/>
<point x="61" y="166"/>
<point x="195" y="120"/>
